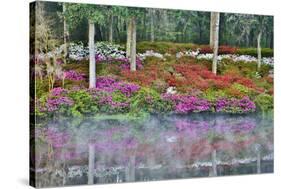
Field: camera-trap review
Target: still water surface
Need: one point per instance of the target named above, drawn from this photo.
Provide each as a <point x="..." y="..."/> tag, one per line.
<point x="90" y="150"/>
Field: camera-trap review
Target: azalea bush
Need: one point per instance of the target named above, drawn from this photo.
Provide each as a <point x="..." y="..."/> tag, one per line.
<point x="234" y="105"/>
<point x="148" y="100"/>
<point x="222" y="50"/>
<point x="186" y="103"/>
<point x="264" y="102"/>
<point x="110" y="84"/>
<point x="103" y="51"/>
<point x="73" y="75"/>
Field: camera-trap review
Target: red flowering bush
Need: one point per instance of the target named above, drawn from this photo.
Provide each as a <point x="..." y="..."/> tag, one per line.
<point x="227" y="50"/>
<point x="222" y="50"/>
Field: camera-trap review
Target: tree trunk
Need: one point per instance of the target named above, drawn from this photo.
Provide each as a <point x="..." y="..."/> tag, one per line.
<point x="216" y="41"/>
<point x="92" y="64"/>
<point x="91" y="164"/>
<point x="152" y="11"/>
<point x="129" y="38"/>
<point x="259" y="162"/>
<point x="259" y="50"/>
<point x="214" y="163"/>
<point x="133" y="65"/>
<point x="130" y="169"/>
<point x="110" y="37"/>
<point x="65" y="35"/>
<point x="212" y="30"/>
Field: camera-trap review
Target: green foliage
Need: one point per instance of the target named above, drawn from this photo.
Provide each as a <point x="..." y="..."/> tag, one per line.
<point x="244" y="91"/>
<point x="83" y="103"/>
<point x="75" y="13"/>
<point x="148" y="100"/>
<point x="247" y="69"/>
<point x="164" y="47"/>
<point x="213" y="94"/>
<point x="264" y="102"/>
<point x="41" y="88"/>
<point x="39" y="102"/>
<point x="265" y="52"/>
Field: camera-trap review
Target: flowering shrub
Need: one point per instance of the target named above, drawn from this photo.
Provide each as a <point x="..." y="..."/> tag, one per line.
<point x="83" y="103"/>
<point x="74" y="76"/>
<point x="108" y="50"/>
<point x="222" y="50"/>
<point x="150" y="53"/>
<point x="110" y="84"/>
<point x="264" y="102"/>
<point x="103" y="51"/>
<point x="53" y="104"/>
<point x="144" y="78"/>
<point x="186" y="104"/>
<point x="58" y="91"/>
<point x="148" y="100"/>
<point x="233" y="105"/>
<point x="77" y="51"/>
<point x="126" y="63"/>
<point x="115" y="102"/>
<point x="189" y="53"/>
<point x="237" y="58"/>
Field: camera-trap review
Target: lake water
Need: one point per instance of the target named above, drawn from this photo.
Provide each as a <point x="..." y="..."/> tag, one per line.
<point x="94" y="150"/>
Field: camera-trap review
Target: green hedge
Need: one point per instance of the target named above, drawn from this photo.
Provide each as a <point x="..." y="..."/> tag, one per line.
<point x="266" y="52"/>
<point x="164" y="47"/>
<point x="169" y="47"/>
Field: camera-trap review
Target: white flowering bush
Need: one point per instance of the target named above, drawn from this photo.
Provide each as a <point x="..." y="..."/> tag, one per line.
<point x="150" y="53"/>
<point x="78" y="51"/>
<point x="207" y="56"/>
<point x="234" y="57"/>
<point x="108" y="50"/>
<point x="268" y="60"/>
<point x="103" y="51"/>
<point x="171" y="90"/>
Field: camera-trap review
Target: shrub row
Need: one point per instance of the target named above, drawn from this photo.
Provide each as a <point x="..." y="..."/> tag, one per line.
<point x="168" y="47"/>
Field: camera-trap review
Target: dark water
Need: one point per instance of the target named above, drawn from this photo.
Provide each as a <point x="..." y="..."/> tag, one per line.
<point x="85" y="151"/>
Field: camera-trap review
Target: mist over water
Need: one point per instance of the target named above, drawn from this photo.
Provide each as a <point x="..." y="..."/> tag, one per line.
<point x="90" y="150"/>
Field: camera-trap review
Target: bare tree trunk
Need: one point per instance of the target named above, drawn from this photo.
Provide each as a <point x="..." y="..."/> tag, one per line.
<point x="133" y="65"/>
<point x="259" y="50"/>
<point x="216" y="41"/>
<point x="111" y="29"/>
<point x="91" y="164"/>
<point x="259" y="162"/>
<point x="212" y="30"/>
<point x="65" y="35"/>
<point x="129" y="38"/>
<point x="152" y="12"/>
<point x="92" y="65"/>
<point x="214" y="163"/>
<point x="130" y="169"/>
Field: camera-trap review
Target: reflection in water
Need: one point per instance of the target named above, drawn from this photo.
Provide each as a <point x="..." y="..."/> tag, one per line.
<point x="74" y="151"/>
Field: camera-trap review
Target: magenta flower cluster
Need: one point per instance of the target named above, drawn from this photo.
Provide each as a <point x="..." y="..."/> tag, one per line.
<point x="243" y="105"/>
<point x="109" y="101"/>
<point x="74" y="76"/>
<point x="53" y="103"/>
<point x="186" y="103"/>
<point x="110" y="84"/>
<point x="124" y="62"/>
<point x="58" y="91"/>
